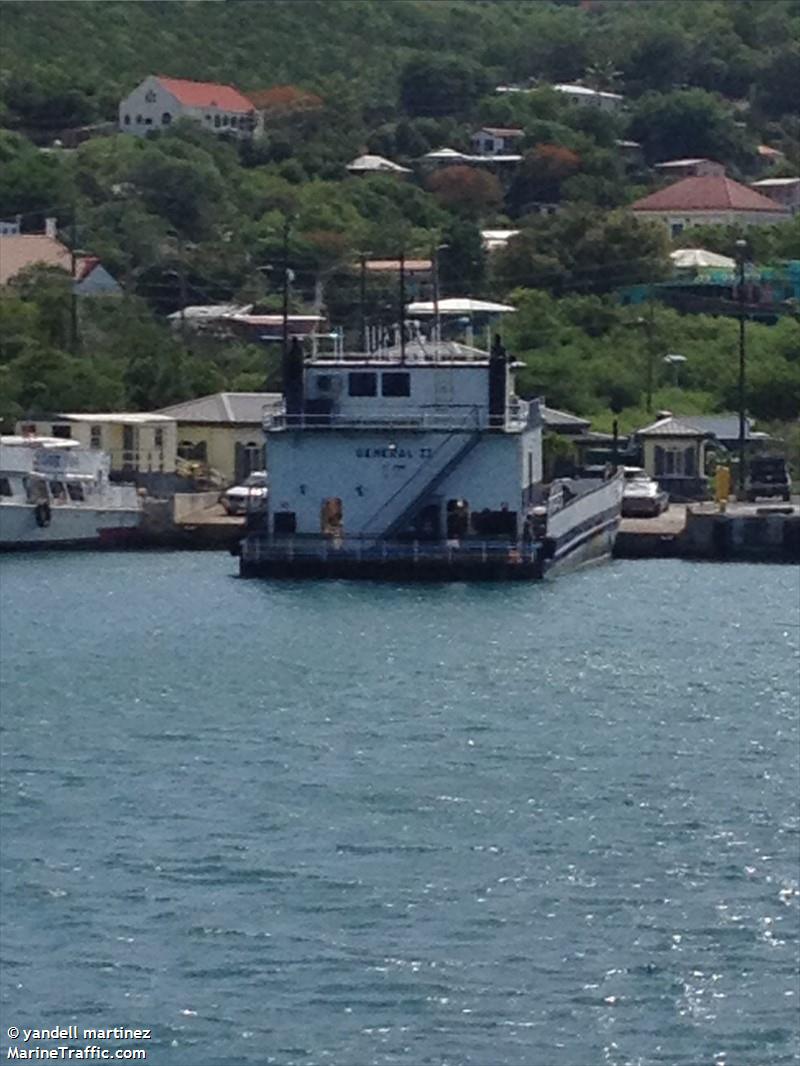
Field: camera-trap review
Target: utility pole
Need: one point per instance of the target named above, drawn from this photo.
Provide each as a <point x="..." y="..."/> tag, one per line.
<point x="437" y="318"/>
<point x="741" y="251"/>
<point x="362" y="301"/>
<point x="73" y="306"/>
<point x="402" y="307"/>
<point x="183" y="288"/>
<point x="286" y="228"/>
<point x="650" y="355"/>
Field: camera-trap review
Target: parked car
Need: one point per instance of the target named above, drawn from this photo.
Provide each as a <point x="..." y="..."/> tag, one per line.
<point x="250" y="496"/>
<point x="642" y="497"/>
<point x="768" y="475"/>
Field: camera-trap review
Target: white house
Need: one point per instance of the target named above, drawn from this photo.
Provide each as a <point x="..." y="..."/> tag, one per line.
<point x="159" y="101"/>
<point x="495" y="140"/>
<point x="580" y="94"/>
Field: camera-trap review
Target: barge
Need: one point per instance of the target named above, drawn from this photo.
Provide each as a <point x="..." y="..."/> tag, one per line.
<point x="418" y="462"/>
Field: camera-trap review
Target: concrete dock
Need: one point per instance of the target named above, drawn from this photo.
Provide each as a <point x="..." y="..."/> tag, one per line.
<point x="743" y="531"/>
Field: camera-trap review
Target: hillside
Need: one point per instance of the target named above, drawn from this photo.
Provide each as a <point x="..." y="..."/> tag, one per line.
<point x="185" y="215"/>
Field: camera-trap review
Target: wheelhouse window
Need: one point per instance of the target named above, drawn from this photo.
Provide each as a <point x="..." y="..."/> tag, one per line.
<point x="57" y="490"/>
<point x="75" y="490"/>
<point x="5" y="487"/>
<point x="362" y="383"/>
<point x="396" y="384"/>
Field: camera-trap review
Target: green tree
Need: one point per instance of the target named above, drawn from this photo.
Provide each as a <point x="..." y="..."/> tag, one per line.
<point x="440" y="85"/>
<point x="685" y="123"/>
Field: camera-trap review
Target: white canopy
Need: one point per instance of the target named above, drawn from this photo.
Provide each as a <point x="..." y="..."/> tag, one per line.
<point x="458" y="305"/>
<point x="684" y="258"/>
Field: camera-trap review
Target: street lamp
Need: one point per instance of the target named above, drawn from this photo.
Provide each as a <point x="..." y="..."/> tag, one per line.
<point x="741" y="253"/>
<point x="675" y="361"/>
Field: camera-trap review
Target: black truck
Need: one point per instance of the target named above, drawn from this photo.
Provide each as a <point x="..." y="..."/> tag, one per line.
<point x="768" y="475"/>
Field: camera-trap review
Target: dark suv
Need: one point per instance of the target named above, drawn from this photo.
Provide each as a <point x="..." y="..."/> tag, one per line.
<point x="768" y="475"/>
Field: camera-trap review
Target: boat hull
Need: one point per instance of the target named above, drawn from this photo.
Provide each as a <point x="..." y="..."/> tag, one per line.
<point x="69" y="527"/>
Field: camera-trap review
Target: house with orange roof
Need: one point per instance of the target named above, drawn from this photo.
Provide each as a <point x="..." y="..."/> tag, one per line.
<point x="159" y="101"/>
<point x="21" y="250"/>
<point x="710" y="199"/>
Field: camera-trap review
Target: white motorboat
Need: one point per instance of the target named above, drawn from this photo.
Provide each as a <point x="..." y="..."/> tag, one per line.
<point x="56" y="493"/>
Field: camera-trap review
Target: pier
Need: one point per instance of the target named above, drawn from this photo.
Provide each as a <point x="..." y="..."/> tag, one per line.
<point x="742" y="531"/>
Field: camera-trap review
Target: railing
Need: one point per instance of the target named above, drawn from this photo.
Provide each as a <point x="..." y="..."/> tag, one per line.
<point x="257" y="549"/>
<point x="466" y="417"/>
<point x="146" y="461"/>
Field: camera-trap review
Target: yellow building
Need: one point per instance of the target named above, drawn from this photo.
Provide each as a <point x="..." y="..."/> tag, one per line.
<point x="674" y="453"/>
<point x="224" y="431"/>
<point x="137" y="443"/>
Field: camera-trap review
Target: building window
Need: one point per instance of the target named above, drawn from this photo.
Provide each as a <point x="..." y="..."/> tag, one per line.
<point x="148" y="122"/>
<point x="127" y="120"/>
<point x="675" y="228"/>
<point x="361" y="383"/>
<point x="5" y="487"/>
<point x="62" y="431"/>
<point x="95" y="436"/>
<point x="138" y="120"/>
<point x="158" y="438"/>
<point x="396" y="384"/>
<point x="217" y="121"/>
<point x="166" y="118"/>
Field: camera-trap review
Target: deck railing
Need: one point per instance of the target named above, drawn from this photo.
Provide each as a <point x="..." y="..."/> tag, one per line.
<point x="257" y="549"/>
<point x="466" y="417"/>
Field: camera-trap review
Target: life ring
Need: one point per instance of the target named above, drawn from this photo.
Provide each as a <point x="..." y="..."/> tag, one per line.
<point x="43" y="513"/>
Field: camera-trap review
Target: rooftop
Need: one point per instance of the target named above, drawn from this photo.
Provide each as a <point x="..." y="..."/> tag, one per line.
<point x="773" y="183"/>
<point x="18" y="251"/>
<point x="712" y="192"/>
<point x="671" y="427"/>
<point x="226" y="408"/>
<point x="501" y="131"/>
<point x="206" y="94"/>
<point x="125" y="418"/>
<point x="377" y="164"/>
<point x="680" y="163"/>
<point x="584" y="90"/>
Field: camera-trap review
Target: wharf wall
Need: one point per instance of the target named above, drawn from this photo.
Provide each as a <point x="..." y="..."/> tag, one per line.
<point x="769" y="534"/>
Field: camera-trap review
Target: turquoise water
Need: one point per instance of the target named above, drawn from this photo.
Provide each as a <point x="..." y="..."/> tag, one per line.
<point x="539" y="825"/>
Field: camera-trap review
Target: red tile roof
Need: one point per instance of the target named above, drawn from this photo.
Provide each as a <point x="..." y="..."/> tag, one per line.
<point x="712" y="192"/>
<point x="206" y="94"/>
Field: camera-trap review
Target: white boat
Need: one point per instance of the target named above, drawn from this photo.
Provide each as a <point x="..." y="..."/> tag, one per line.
<point x="56" y="493"/>
<point x="418" y="462"/>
